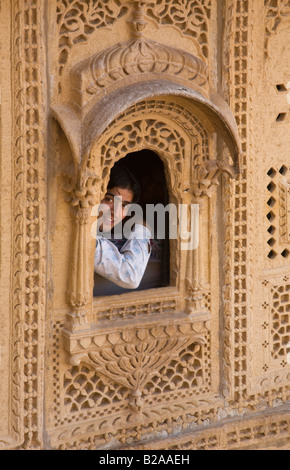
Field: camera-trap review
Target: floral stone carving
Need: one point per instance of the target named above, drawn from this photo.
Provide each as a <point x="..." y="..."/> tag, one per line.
<point x="131" y="355"/>
<point x="135" y="58"/>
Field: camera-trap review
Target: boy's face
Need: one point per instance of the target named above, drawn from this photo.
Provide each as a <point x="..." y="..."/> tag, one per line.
<point x="118" y="201"/>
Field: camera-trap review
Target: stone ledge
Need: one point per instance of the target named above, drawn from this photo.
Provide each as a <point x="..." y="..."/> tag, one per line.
<point x="264" y="431"/>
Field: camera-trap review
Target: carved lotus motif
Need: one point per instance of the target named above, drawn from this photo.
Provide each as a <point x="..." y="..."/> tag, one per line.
<point x="141" y="56"/>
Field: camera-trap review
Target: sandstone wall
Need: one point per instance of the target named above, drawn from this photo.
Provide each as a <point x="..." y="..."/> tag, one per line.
<point x="203" y="363"/>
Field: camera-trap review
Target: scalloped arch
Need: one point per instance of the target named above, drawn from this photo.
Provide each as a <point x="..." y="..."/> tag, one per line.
<point x="83" y="131"/>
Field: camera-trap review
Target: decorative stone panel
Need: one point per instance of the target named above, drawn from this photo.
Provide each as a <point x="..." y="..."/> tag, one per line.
<point x="274" y="335"/>
<point x="136" y="357"/>
<point x="278" y="214"/>
<point x="23" y="249"/>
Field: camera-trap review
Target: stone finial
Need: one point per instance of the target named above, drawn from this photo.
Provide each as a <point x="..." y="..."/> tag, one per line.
<point x="138" y="21"/>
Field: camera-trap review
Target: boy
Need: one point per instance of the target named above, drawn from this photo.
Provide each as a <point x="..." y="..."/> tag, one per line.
<point x="121" y="262"/>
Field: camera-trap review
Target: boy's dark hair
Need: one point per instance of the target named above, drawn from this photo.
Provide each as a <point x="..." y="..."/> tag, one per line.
<point x="123" y="178"/>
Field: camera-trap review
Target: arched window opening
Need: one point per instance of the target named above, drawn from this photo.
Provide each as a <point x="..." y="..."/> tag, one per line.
<point x="148" y="169"/>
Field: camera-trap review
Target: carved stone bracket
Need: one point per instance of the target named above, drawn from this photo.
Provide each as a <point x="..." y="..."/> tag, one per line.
<point x="205" y="177"/>
<point x="131" y="354"/>
<point x="81" y="191"/>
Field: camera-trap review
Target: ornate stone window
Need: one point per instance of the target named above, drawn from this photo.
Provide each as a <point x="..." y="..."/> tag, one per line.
<point x="141" y="95"/>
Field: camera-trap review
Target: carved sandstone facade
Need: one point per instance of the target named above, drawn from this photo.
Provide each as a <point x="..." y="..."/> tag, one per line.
<point x="204" y="362"/>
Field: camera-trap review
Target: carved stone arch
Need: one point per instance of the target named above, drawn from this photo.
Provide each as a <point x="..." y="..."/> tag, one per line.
<point x="82" y="131"/>
<point x="162" y="126"/>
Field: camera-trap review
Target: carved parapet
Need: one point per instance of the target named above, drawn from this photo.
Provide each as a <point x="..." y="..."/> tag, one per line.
<point x="131" y="355"/>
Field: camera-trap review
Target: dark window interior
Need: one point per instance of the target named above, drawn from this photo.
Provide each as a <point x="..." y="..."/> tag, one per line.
<point x="149" y="170"/>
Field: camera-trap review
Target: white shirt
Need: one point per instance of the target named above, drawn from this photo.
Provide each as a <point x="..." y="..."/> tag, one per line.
<point x="127" y="266"/>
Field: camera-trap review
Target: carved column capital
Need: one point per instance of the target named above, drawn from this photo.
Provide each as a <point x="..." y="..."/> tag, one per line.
<point x="205" y="177"/>
<point x="81" y="192"/>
